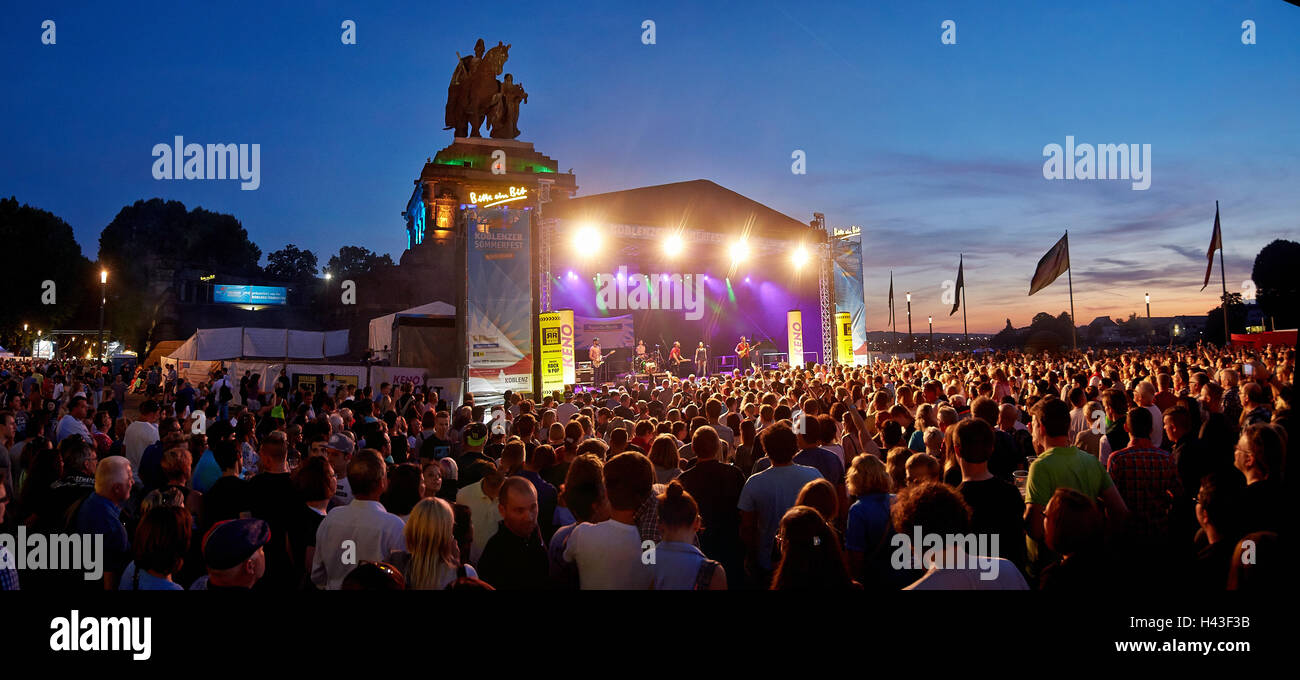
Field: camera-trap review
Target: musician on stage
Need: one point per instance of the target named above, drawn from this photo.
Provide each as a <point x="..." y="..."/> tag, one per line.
<point x="675" y="358"/>
<point x="745" y="354"/>
<point x="597" y="361"/>
<point x="701" y="360"/>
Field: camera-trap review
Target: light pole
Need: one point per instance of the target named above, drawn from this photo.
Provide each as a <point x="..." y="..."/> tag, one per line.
<point x="931" y="320"/>
<point x="910" y="346"/>
<point x="103" y="297"/>
<point x="1151" y="331"/>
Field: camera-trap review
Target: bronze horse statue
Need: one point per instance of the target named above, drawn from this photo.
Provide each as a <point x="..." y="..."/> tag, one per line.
<point x="473" y="85"/>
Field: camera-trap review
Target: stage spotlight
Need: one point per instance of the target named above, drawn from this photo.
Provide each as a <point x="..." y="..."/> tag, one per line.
<point x="673" y="245"/>
<point x="739" y="251"/>
<point x="799" y="257"/>
<point x="586" y="240"/>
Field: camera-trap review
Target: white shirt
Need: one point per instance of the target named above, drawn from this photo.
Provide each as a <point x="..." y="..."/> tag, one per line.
<point x="139" y="436"/>
<point x="484" y="515"/>
<point x="608" y="556"/>
<point x="565" y="411"/>
<point x="70" y="425"/>
<point x="356" y="532"/>
<point x="1157" y="426"/>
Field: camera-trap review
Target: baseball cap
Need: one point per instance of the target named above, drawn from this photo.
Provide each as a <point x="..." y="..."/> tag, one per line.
<point x="341" y="442"/>
<point x="475" y="434"/>
<point x="230" y="543"/>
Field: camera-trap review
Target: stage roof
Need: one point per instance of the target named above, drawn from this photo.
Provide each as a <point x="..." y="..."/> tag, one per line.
<point x="697" y="204"/>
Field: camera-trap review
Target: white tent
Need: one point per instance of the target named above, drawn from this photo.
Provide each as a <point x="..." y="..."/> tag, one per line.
<point x="220" y="344"/>
<point x="381" y="328"/>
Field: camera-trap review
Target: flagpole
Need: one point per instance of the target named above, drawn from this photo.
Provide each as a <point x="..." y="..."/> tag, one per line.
<point x="1223" y="277"/>
<point x="1074" y="331"/>
<point x="964" y="330"/>
<point x="892" y="320"/>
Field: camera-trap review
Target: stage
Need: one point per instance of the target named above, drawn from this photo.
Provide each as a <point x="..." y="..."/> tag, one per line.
<point x="727" y="268"/>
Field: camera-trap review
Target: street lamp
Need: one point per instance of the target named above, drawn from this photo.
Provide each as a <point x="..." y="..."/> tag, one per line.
<point x="103" y="297"/>
<point x="909" y="320"/>
<point x="931" y="319"/>
<point x="1150" y="329"/>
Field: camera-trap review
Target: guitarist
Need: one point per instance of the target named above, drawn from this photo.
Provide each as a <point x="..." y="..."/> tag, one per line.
<point x="745" y="353"/>
<point x="597" y="361"/>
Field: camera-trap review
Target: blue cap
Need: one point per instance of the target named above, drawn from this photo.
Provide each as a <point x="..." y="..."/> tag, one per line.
<point x="230" y="543"/>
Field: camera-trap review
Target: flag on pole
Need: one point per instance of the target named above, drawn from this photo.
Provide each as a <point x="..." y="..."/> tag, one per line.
<point x="1052" y="265"/>
<point x="891" y="297"/>
<point x="961" y="283"/>
<point x="1216" y="243"/>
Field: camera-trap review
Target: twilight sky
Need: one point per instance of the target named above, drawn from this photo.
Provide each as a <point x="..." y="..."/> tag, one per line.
<point x="933" y="149"/>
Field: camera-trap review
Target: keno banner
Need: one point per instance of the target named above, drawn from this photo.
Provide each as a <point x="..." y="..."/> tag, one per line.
<point x="844" y="337"/>
<point x="552" y="353"/>
<point x="567" y="353"/>
<point x="794" y="329"/>
<point x="500" y="342"/>
<point x="397" y="376"/>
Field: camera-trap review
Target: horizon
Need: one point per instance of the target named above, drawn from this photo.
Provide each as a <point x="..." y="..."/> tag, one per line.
<point x="934" y="150"/>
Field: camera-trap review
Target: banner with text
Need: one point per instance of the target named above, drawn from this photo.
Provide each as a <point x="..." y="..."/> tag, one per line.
<point x="794" y="330"/>
<point x="551" y="353"/>
<point x="500" y="340"/>
<point x="568" y="356"/>
<point x="844" y="337"/>
<point x="614" y="331"/>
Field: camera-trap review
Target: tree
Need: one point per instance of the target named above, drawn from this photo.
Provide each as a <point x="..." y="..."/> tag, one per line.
<point x="1277" y="284"/>
<point x="147" y="241"/>
<point x="291" y="264"/>
<point x="353" y="260"/>
<point x="1007" y="337"/>
<point x="1236" y="319"/>
<point x="40" y="247"/>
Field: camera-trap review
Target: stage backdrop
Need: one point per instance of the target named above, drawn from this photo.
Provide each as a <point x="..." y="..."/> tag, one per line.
<point x="849" y="296"/>
<point x="685" y="301"/>
<point x="499" y="311"/>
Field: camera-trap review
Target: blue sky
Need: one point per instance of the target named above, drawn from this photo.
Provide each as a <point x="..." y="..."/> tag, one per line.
<point x="933" y="149"/>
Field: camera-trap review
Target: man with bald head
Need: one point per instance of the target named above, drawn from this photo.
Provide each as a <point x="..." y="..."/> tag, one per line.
<point x="101" y="514"/>
<point x="515" y="558"/>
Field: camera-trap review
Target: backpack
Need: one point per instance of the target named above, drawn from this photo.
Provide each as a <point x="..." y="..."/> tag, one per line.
<point x="225" y="394"/>
<point x="705" y="575"/>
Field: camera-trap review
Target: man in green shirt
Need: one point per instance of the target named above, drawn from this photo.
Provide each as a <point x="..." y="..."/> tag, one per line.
<point x="1061" y="465"/>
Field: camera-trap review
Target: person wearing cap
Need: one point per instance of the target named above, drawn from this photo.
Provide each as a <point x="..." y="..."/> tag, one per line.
<point x="339" y="449"/>
<point x="361" y="530"/>
<point x="473" y="464"/>
<point x="567" y="410"/>
<point x="232" y="552"/>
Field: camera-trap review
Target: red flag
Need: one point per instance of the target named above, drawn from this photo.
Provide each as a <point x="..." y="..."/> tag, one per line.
<point x="1216" y="243"/>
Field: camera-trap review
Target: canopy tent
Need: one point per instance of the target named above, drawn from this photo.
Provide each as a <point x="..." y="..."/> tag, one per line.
<point x="381" y="328"/>
<point x="221" y="344"/>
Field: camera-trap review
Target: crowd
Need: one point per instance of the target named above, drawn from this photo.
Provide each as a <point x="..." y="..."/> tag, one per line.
<point x="1155" y="469"/>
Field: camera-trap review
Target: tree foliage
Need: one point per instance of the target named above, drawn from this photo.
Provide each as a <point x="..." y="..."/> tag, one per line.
<point x="149" y="238"/>
<point x="356" y="260"/>
<point x="291" y="263"/>
<point x="1277" y="282"/>
<point x="40" y="247"/>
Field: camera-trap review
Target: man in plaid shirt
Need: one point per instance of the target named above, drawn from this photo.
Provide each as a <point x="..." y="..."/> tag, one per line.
<point x="8" y="569"/>
<point x="1147" y="480"/>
